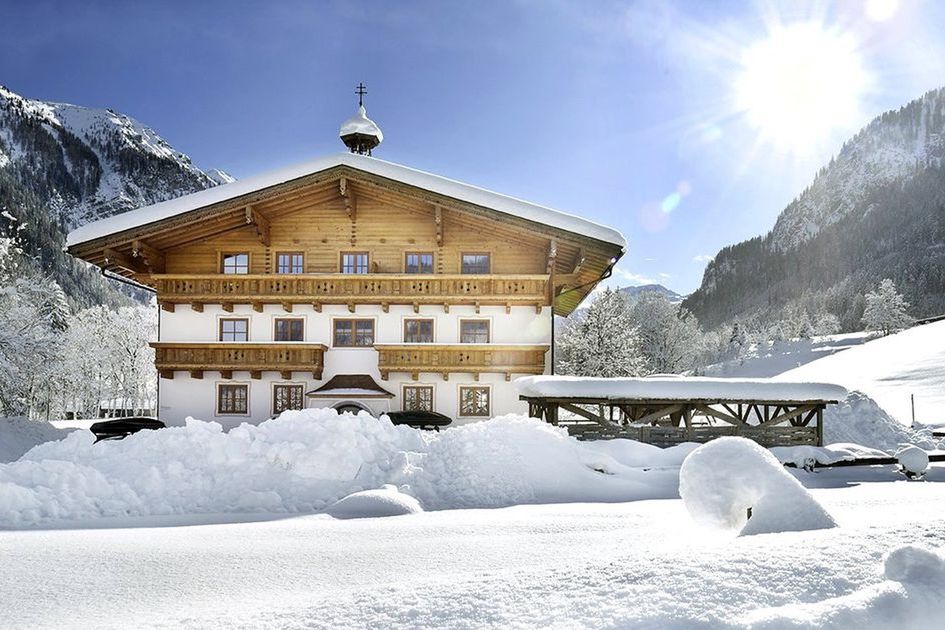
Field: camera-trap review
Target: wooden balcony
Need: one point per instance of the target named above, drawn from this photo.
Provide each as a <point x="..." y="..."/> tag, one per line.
<point x="226" y="358"/>
<point x="466" y="358"/>
<point x="352" y="290"/>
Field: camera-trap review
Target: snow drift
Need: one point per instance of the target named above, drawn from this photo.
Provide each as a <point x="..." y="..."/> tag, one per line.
<point x="722" y="480"/>
<point x="911" y="597"/>
<point x="386" y="501"/>
<point x="305" y="461"/>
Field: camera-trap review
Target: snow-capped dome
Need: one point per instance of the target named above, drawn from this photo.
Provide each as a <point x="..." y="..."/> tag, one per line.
<point x="360" y="133"/>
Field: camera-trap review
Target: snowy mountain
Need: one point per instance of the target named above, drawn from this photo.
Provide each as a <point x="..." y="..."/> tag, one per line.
<point x="876" y="211"/>
<point x="63" y="165"/>
<point x="635" y="292"/>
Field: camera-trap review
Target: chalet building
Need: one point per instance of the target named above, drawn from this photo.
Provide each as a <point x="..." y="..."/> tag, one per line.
<point x="351" y="282"/>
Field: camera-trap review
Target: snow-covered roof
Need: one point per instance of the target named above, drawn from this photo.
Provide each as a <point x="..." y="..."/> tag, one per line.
<point x="676" y="388"/>
<point x="420" y="179"/>
<point x="360" y="123"/>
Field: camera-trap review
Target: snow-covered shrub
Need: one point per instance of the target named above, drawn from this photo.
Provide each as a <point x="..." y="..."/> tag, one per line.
<point x="913" y="461"/>
<point x="722" y="480"/>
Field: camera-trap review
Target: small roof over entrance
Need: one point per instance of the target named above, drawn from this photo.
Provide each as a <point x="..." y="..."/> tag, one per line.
<point x="350" y="386"/>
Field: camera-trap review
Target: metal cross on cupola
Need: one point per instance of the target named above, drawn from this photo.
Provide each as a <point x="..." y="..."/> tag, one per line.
<point x="359" y="133"/>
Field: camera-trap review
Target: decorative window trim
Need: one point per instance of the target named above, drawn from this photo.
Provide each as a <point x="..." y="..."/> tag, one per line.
<point x="463" y="320"/>
<point x="216" y="407"/>
<point x="429" y="386"/>
<point x="222" y="319"/>
<point x="403" y="328"/>
<point x="272" y="393"/>
<point x="334" y="321"/>
<point x="459" y="400"/>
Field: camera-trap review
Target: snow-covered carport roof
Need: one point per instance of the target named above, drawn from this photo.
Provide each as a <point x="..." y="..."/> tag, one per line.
<point x="594" y="247"/>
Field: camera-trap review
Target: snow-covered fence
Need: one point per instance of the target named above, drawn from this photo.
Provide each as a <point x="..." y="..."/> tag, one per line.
<point x="670" y="410"/>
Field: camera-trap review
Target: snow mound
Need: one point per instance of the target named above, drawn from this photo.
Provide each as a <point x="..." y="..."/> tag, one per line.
<point x="806" y="456"/>
<point x="910" y="598"/>
<point x="385" y="501"/>
<point x="913" y="460"/>
<point x="18" y="435"/>
<point x="860" y="420"/>
<point x="305" y="461"/>
<point x="722" y="480"/>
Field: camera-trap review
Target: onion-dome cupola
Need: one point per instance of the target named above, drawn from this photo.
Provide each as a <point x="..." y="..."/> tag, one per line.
<point x="359" y="133"/>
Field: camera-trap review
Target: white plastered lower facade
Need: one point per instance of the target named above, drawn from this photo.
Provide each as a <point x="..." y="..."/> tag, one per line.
<point x="185" y="396"/>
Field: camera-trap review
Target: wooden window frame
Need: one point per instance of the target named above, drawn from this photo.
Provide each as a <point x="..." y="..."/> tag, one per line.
<point x="467" y="320"/>
<point x="487" y="414"/>
<point x="275" y="328"/>
<point x="275" y="386"/>
<point x="301" y="254"/>
<point x="220" y="321"/>
<point x="218" y="407"/>
<point x="488" y="256"/>
<point x="424" y="386"/>
<point x="354" y="332"/>
<point x="356" y="252"/>
<point x="420" y="319"/>
<point x="420" y="253"/>
<point x="249" y="262"/>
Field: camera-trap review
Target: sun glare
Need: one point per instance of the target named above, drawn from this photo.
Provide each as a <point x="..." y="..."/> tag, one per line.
<point x="800" y="84"/>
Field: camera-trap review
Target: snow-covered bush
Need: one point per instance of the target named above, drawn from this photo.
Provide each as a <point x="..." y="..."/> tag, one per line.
<point x="913" y="461"/>
<point x="733" y="483"/>
<point x="886" y="309"/>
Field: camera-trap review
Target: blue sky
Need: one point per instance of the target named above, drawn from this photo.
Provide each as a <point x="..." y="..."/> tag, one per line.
<point x="648" y="116"/>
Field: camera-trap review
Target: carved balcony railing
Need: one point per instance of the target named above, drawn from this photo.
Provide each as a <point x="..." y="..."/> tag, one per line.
<point x="466" y="358"/>
<point x="226" y="358"/>
<point x="352" y="289"/>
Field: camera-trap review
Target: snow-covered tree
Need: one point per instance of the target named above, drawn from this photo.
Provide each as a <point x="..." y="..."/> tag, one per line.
<point x="886" y="309"/>
<point x="601" y="343"/>
<point x="669" y="336"/>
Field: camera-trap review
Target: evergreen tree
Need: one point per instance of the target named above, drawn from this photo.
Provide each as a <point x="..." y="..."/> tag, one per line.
<point x="604" y="342"/>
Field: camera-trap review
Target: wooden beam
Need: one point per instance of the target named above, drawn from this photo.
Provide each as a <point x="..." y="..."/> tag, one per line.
<point x="258" y="307"/>
<point x="168" y="306"/>
<point x="227" y="306"/>
<point x="198" y="374"/>
<point x="118" y="259"/>
<point x="317" y="306"/>
<point x="168" y="374"/>
<point x="196" y="307"/>
<point x="226" y="374"/>
<point x="261" y="223"/>
<point x="580" y="259"/>
<point x="584" y="413"/>
<point x="659" y="413"/>
<point x="255" y="374"/>
<point x="351" y="307"/>
<point x="287" y="307"/>
<point x="438" y="222"/>
<point x="153" y="258"/>
<point x="385" y="306"/>
<point x="286" y="375"/>
<point x="347" y="195"/>
<point x="552" y="255"/>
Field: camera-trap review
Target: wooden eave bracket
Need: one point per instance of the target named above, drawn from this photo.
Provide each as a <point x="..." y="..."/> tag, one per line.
<point x="261" y="223"/>
<point x="116" y="258"/>
<point x="153" y="258"/>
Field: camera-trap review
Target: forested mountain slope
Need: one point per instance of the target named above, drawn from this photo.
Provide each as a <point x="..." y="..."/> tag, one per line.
<point x="876" y="211"/>
<point x="63" y="165"/>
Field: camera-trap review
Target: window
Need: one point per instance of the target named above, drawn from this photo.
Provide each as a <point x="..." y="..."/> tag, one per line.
<point x="353" y="333"/>
<point x="234" y="330"/>
<point x="290" y="262"/>
<point x="418" y="398"/>
<point x="236" y="263"/>
<point x="474" y="401"/>
<point x="474" y="331"/>
<point x="232" y="399"/>
<point x="476" y="263"/>
<point x="286" y="397"/>
<point x="418" y="331"/>
<point x="289" y="329"/>
<point x="354" y="262"/>
<point x="418" y="262"/>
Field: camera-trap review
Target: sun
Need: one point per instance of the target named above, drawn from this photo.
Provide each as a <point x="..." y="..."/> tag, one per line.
<point x="800" y="84"/>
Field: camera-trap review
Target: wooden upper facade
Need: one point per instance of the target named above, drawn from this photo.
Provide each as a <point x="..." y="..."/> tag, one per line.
<point x="351" y="213"/>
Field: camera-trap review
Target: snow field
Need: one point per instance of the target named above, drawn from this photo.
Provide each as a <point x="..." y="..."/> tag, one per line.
<point x="722" y="480"/>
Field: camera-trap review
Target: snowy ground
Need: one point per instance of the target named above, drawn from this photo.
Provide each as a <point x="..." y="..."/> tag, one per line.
<point x="764" y="360"/>
<point x="643" y="564"/>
